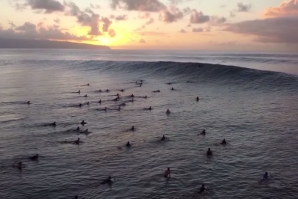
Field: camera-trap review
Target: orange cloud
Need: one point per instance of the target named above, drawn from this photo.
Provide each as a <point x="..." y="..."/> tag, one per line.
<point x="286" y="8"/>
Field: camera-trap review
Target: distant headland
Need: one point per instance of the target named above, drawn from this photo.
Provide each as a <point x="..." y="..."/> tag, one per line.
<point x="31" y="43"/>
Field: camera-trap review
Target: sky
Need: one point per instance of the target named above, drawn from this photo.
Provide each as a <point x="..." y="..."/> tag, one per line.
<point x="234" y="25"/>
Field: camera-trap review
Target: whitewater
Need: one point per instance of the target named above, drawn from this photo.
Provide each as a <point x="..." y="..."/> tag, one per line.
<point x="249" y="99"/>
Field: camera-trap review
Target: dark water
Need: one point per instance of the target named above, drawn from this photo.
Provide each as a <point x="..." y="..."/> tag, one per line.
<point x="255" y="111"/>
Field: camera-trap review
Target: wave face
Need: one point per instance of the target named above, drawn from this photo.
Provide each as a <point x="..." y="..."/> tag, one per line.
<point x="220" y="74"/>
<point x="181" y="71"/>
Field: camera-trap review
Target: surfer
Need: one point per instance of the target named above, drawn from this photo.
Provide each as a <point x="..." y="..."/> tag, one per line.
<point x="203" y="132"/>
<point x="77" y="141"/>
<point x="167" y="173"/>
<point x="79" y="91"/>
<point x="78" y="129"/>
<point x="99" y="101"/>
<point x="99" y="90"/>
<point x="172" y="89"/>
<point x="157" y="91"/>
<point x="107" y="181"/>
<point x="132" y="128"/>
<point x="149" y="109"/>
<point x="53" y="124"/>
<point x="34" y="158"/>
<point x="223" y="142"/>
<point x="209" y="152"/>
<point x="163" y="138"/>
<point x="128" y="145"/>
<point x="202" y="189"/>
<point x="168" y="112"/>
<point x="80" y="105"/>
<point x="83" y="122"/>
<point x="132" y="96"/>
<point x="28" y="103"/>
<point x="86" y="132"/>
<point x="107" y="90"/>
<point x="266" y="176"/>
<point x="86" y="95"/>
<point x="198" y="99"/>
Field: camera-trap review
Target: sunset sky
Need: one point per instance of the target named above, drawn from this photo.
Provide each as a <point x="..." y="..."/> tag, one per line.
<point x="156" y="24"/>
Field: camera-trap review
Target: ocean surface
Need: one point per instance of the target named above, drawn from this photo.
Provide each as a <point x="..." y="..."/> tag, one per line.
<point x="251" y="100"/>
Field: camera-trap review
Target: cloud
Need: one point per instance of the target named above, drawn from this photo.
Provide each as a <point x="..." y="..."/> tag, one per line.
<point x="119" y="17"/>
<point x="198" y="17"/>
<point x="232" y="14"/>
<point x="31" y="31"/>
<point x="269" y="30"/>
<point x="106" y="24"/>
<point x="11" y="24"/>
<point x="27" y="27"/>
<point x="182" y="31"/>
<point x="150" y="21"/>
<point x="112" y="33"/>
<point x="197" y="30"/>
<point x="170" y="16"/>
<point x="243" y="8"/>
<point x="286" y="8"/>
<point x="175" y="2"/>
<point x="88" y="18"/>
<point x="152" y="33"/>
<point x="207" y="29"/>
<point x="138" y="5"/>
<point x="18" y="6"/>
<point x="57" y="20"/>
<point x="95" y="6"/>
<point x="217" y="20"/>
<point x="142" y="41"/>
<point x="186" y="11"/>
<point x="143" y="15"/>
<point x="48" y="6"/>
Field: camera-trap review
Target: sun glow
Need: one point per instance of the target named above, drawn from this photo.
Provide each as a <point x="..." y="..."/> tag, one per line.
<point x="104" y="40"/>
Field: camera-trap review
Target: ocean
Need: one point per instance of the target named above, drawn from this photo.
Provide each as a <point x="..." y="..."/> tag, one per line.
<point x="249" y="99"/>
